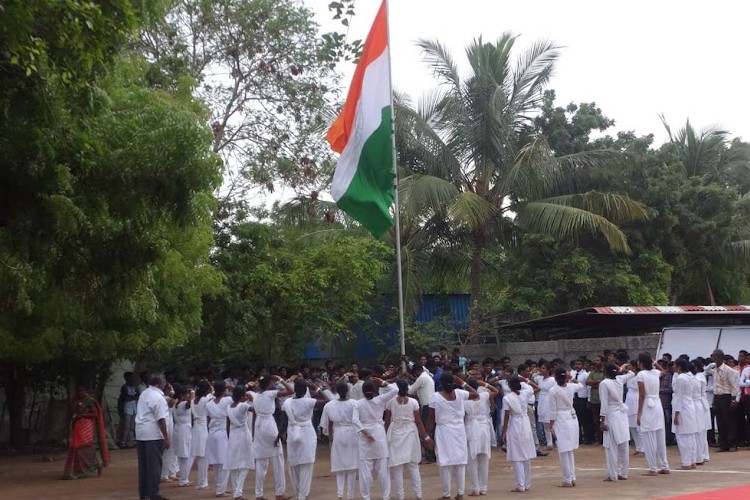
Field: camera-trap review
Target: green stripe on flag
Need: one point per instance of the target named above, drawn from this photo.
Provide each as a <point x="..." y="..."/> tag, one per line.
<point x="369" y="197"/>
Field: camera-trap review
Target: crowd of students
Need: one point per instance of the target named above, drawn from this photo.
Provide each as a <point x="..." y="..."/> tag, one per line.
<point x="381" y="421"/>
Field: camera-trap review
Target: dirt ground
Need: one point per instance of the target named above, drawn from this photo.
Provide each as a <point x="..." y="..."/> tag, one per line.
<point x="30" y="477"/>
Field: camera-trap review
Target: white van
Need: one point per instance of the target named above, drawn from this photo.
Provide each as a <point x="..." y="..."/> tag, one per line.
<point x="701" y="341"/>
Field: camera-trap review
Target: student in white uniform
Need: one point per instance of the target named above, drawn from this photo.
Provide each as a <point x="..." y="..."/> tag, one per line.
<point x="546" y="383"/>
<point x="447" y="419"/>
<point x="301" y="438"/>
<point x="240" y="458"/>
<point x="344" y="441"/>
<point x="168" y="468"/>
<point x="182" y="434"/>
<point x="373" y="445"/>
<point x="564" y="424"/>
<point x="403" y="424"/>
<point x="203" y="394"/>
<point x="216" y="446"/>
<point x="650" y="418"/>
<point x="684" y="417"/>
<point x="479" y="434"/>
<point x="631" y="401"/>
<point x="613" y="420"/>
<point x="704" y="415"/>
<point x="266" y="438"/>
<point x="517" y="436"/>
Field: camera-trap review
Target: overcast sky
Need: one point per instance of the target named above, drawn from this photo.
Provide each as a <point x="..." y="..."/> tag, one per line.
<point x="634" y="59"/>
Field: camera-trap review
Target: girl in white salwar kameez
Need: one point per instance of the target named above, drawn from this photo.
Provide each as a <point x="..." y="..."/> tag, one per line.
<point x="266" y="438"/>
<point x="542" y="407"/>
<point x="169" y="467"/>
<point x="613" y="420"/>
<point x="631" y="401"/>
<point x="403" y="425"/>
<point x="478" y="423"/>
<point x="373" y="445"/>
<point x="199" y="438"/>
<point x="650" y="417"/>
<point x="564" y="424"/>
<point x="446" y="417"/>
<point x="182" y="434"/>
<point x="517" y="436"/>
<point x="684" y="417"/>
<point x="301" y="438"/>
<point x="218" y="439"/>
<point x="703" y="411"/>
<point x="339" y="414"/>
<point x="240" y="458"/>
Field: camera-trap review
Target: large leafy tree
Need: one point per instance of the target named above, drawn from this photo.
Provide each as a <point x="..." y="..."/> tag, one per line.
<point x="266" y="74"/>
<point x="106" y="195"/>
<point x="477" y="170"/>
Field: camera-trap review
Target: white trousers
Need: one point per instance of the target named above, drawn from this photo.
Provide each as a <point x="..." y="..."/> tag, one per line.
<point x="522" y="473"/>
<point x="568" y="466"/>
<point x="202" y="465"/>
<point x="618" y="460"/>
<point x="479" y="472"/>
<point x="701" y="447"/>
<point x="221" y="476"/>
<point x="445" y="478"/>
<point x="301" y="477"/>
<point x="237" y="477"/>
<point x="655" y="449"/>
<point x="279" y="478"/>
<point x="378" y="467"/>
<point x="345" y="478"/>
<point x="185" y="463"/>
<point x="397" y="479"/>
<point x="686" y="444"/>
<point x="167" y="463"/>
<point x="636" y="436"/>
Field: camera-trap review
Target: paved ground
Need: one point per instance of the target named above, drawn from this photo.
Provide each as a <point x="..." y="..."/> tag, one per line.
<point x="30" y="477"/>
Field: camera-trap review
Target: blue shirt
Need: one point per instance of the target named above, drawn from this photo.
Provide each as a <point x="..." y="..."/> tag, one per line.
<point x="436" y="376"/>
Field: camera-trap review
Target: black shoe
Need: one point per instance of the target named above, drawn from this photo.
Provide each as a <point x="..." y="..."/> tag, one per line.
<point x="540" y="453"/>
<point x="159" y="497"/>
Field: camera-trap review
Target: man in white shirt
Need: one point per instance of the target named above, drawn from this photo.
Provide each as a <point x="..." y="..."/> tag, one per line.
<point x="151" y="438"/>
<point x="580" y="401"/>
<point x="423" y="388"/>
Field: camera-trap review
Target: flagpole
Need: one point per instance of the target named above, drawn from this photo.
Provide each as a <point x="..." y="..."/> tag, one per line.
<point x="402" y="336"/>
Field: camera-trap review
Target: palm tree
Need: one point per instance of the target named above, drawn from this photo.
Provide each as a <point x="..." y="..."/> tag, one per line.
<point x="477" y="170"/>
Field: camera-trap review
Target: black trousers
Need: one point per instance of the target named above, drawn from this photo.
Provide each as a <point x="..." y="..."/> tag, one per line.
<point x="726" y="421"/>
<point x="149" y="467"/>
<point x="742" y="413"/>
<point x="583" y="413"/>
<point x="427" y="455"/>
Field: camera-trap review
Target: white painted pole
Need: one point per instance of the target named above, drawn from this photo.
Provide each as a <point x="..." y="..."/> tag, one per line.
<point x="402" y="337"/>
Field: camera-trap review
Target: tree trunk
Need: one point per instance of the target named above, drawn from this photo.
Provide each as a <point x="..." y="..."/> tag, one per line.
<point x="476" y="287"/>
<point x="15" y="393"/>
<point x="710" y="293"/>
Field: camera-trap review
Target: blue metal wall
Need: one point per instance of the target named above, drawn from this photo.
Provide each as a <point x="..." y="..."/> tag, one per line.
<point x="454" y="306"/>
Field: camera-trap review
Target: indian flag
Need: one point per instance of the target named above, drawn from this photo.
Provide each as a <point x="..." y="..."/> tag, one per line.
<point x="363" y="181"/>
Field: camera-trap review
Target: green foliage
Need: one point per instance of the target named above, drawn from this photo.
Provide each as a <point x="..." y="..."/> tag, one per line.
<point x="545" y="277"/>
<point x="111" y="260"/>
<point x="285" y="288"/>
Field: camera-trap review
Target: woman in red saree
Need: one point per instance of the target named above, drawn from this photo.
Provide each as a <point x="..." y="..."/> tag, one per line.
<point x="87" y="449"/>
